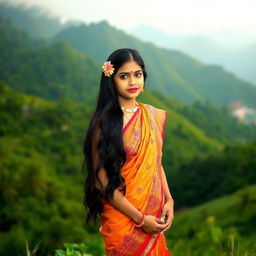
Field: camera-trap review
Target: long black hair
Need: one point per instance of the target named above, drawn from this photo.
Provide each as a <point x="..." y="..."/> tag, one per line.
<point x="108" y="118"/>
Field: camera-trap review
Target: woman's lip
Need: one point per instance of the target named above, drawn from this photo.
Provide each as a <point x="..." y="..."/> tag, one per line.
<point x="132" y="89"/>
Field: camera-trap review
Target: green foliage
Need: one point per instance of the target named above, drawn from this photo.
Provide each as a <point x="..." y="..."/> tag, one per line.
<point x="41" y="181"/>
<point x="223" y="226"/>
<point x="215" y="175"/>
<point x="211" y="239"/>
<point x="218" y="123"/>
<point x="82" y="249"/>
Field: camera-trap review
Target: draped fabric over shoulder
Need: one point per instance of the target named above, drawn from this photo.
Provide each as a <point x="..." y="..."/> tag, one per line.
<point x="143" y="141"/>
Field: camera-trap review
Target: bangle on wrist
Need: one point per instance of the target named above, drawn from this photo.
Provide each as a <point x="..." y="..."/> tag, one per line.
<point x="141" y="222"/>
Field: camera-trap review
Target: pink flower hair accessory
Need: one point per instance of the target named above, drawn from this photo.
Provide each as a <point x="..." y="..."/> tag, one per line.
<point x="107" y="68"/>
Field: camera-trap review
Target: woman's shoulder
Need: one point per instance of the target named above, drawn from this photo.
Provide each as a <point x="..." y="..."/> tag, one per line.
<point x="158" y="114"/>
<point x="153" y="108"/>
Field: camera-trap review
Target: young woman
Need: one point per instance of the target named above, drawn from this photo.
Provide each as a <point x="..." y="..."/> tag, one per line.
<point x="126" y="183"/>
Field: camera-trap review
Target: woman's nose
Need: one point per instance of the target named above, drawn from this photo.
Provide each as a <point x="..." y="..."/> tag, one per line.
<point x="132" y="79"/>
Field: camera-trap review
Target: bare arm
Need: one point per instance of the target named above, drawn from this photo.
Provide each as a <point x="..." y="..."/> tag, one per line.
<point x="167" y="193"/>
<point x="168" y="208"/>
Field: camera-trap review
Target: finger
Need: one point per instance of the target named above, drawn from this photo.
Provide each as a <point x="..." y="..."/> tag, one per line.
<point x="164" y="230"/>
<point x="159" y="220"/>
<point x="160" y="227"/>
<point x="169" y="218"/>
<point x="162" y="217"/>
<point x="168" y="224"/>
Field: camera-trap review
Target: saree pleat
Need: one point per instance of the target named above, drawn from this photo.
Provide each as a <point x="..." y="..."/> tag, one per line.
<point x="143" y="140"/>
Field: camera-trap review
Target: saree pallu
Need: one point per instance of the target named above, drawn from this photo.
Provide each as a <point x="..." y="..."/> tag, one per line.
<point x="143" y="141"/>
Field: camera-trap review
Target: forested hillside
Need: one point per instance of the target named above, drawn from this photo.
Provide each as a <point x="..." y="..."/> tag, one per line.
<point x="171" y="72"/>
<point x="48" y="92"/>
<point x="41" y="179"/>
<point x="52" y="71"/>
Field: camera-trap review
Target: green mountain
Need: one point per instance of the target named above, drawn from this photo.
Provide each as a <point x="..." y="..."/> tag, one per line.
<point x="216" y="122"/>
<point x="236" y="54"/>
<point x="41" y="149"/>
<point x="171" y="72"/>
<point x="54" y="71"/>
<point x="14" y="42"/>
<point x="174" y="143"/>
<point x="57" y="71"/>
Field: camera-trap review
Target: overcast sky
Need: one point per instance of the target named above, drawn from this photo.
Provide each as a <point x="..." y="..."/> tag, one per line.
<point x="174" y="17"/>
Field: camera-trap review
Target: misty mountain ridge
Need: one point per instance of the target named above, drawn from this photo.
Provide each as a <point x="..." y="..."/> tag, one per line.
<point x="227" y="48"/>
<point x="171" y="72"/>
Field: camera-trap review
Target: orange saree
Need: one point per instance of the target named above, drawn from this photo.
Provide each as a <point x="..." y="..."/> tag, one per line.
<point x="143" y="140"/>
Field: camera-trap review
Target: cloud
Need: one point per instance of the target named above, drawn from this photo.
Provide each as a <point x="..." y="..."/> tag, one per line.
<point x="183" y="16"/>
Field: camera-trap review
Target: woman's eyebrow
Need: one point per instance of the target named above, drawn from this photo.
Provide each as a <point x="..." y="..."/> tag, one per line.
<point x="129" y="72"/>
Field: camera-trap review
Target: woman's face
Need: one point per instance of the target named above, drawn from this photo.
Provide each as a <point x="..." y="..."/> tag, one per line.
<point x="129" y="76"/>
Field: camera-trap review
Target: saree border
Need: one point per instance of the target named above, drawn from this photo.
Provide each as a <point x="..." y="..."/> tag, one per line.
<point x="147" y="240"/>
<point x="165" y="114"/>
<point x="129" y="122"/>
<point x="154" y="244"/>
<point x="162" y="190"/>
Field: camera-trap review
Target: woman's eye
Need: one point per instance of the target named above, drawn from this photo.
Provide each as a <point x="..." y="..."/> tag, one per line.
<point x="123" y="76"/>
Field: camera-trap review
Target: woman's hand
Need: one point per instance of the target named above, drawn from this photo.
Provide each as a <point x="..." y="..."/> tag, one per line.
<point x="152" y="225"/>
<point x="167" y="210"/>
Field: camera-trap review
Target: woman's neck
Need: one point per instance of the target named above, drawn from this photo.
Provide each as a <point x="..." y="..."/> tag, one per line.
<point x="128" y="104"/>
